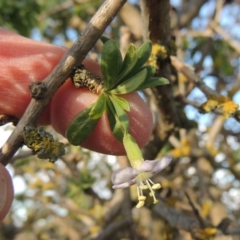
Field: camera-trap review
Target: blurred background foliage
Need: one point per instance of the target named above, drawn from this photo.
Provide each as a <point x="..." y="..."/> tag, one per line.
<point x="200" y="196"/>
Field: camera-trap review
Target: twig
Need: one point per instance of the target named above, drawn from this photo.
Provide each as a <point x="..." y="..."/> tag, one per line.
<point x="196" y="212"/>
<point x="114" y="206"/>
<point x="180" y="220"/>
<point x="215" y="130"/>
<point x="189" y="73"/>
<point x="218" y="11"/>
<point x="156" y="27"/>
<point x="174" y="141"/>
<point x="189" y="102"/>
<point x="175" y="218"/>
<point x="216" y="28"/>
<point x="233" y="231"/>
<point x="22" y="154"/>
<point x="206" y="33"/>
<point x="112" y="229"/>
<point x="62" y="71"/>
<point x="134" y="22"/>
<point x="189" y="11"/>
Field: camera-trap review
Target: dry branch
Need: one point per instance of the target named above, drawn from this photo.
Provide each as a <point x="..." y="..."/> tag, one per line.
<point x="175" y="217"/>
<point x="189" y="11"/>
<point x="187" y="71"/>
<point x="157" y="28"/>
<point x="62" y="71"/>
<point x="112" y="229"/>
<point x="216" y="28"/>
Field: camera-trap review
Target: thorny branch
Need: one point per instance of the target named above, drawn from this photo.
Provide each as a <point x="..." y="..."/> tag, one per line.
<point x="216" y="28"/>
<point x="196" y="212"/>
<point x="178" y="219"/>
<point x="189" y="73"/>
<point x="62" y="71"/>
<point x="189" y="12"/>
<point x="175" y="217"/>
<point x="157" y="28"/>
<point x="112" y="228"/>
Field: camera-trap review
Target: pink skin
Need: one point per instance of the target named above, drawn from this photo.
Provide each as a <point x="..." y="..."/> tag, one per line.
<point x="23" y="60"/>
<point x="101" y="139"/>
<point x="6" y="196"/>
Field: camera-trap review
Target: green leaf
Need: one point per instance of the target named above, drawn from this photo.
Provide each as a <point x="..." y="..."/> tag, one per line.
<point x="121" y="114"/>
<point x="129" y="62"/>
<point x="151" y="70"/>
<point x="99" y="107"/>
<point x="152" y="82"/>
<point x="111" y="63"/>
<point x="135" y="60"/>
<point x="131" y="84"/>
<point x="114" y="122"/>
<point x="123" y="103"/>
<point x="118" y="119"/>
<point x="104" y="39"/>
<point x="81" y="127"/>
<point x="132" y="149"/>
<point x="144" y="53"/>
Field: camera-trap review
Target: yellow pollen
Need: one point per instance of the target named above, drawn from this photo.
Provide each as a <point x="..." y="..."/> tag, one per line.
<point x="141" y="198"/>
<point x="140" y="204"/>
<point x="156" y="186"/>
<point x="143" y="183"/>
<point x="151" y="191"/>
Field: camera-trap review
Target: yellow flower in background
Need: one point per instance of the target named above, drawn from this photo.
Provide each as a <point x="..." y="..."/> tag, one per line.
<point x="210" y="105"/>
<point x="221" y="103"/>
<point x="158" y="52"/>
<point x="182" y="150"/>
<point x="228" y="108"/>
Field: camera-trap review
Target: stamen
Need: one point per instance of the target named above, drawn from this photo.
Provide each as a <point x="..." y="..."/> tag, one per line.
<point x="151" y="192"/>
<point x="138" y="192"/>
<point x="151" y="181"/>
<point x="141" y="198"/>
<point x="141" y="192"/>
<point x="140" y="204"/>
<point x="156" y="186"/>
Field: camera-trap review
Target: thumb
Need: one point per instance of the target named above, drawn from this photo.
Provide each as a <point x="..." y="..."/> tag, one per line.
<point x="6" y="195"/>
<point x="23" y="60"/>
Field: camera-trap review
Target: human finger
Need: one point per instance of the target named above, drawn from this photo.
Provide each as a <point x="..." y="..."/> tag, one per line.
<point x="23" y="60"/>
<point x="6" y="192"/>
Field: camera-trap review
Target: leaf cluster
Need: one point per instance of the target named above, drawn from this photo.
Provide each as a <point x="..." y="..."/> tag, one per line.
<point x="120" y="76"/>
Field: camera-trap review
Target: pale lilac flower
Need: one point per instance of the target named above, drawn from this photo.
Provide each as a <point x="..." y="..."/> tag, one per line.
<point x="128" y="176"/>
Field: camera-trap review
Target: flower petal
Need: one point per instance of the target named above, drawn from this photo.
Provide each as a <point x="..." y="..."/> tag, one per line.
<point x="155" y="166"/>
<point x="162" y="163"/>
<point x="125" y="184"/>
<point x="124" y="175"/>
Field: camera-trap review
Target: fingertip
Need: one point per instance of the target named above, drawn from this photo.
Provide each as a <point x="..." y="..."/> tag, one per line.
<point x="92" y="66"/>
<point x="7" y="192"/>
<point x="69" y="101"/>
